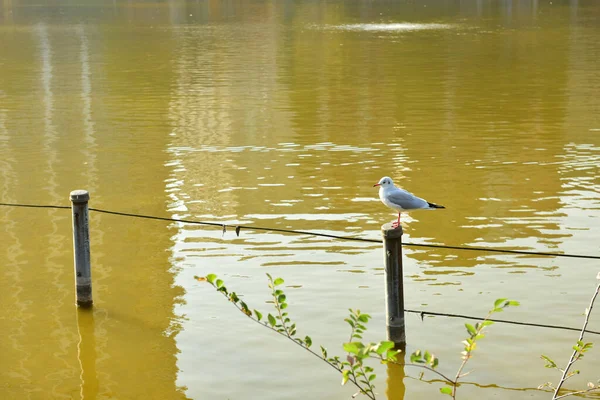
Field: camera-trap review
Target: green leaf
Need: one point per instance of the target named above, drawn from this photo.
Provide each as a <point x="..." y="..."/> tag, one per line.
<point x="498" y="302"/>
<point x="416" y="357"/>
<point x="384" y="346"/>
<point x="345" y="376"/>
<point x="391" y="355"/>
<point x="352" y="347"/>
<point x="470" y="329"/>
<point x="324" y="352"/>
<point x="272" y="320"/>
<point x="258" y="315"/>
<point x="219" y="283"/>
<point x="513" y="303"/>
<point x="283" y="306"/>
<point x="446" y="390"/>
<point x="281" y="298"/>
<point x="427" y="357"/>
<point x="278" y="281"/>
<point x="350" y="322"/>
<point x="549" y="362"/>
<point x="487" y="323"/>
<point x="211" y="278"/>
<point x="364" y="318"/>
<point x="372" y="377"/>
<point x="308" y="341"/>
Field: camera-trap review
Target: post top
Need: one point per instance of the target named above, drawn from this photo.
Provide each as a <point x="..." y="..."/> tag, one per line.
<point x="80" y="196"/>
<point x="391" y="233"/>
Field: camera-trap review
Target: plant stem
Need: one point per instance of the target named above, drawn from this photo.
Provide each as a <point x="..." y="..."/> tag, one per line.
<point x="438" y="373"/>
<point x="577" y="392"/>
<point x="466" y="358"/>
<point x="350" y="379"/>
<point x="574" y="354"/>
<point x="370" y="387"/>
<point x="278" y="308"/>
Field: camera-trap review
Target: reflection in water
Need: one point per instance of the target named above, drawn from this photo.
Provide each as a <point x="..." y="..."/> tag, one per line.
<point x="55" y="248"/>
<point x="580" y="198"/>
<point x="86" y="98"/>
<point x="87" y="353"/>
<point x="14" y="323"/>
<point x="406" y="27"/>
<point x="396" y="388"/>
<point x="50" y="135"/>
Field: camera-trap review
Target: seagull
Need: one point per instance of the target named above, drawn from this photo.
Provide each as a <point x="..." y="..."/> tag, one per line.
<point x="400" y="200"/>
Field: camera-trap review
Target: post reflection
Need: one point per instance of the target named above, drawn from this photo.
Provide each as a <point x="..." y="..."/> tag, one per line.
<point x="396" y="387"/>
<point x="86" y="353"/>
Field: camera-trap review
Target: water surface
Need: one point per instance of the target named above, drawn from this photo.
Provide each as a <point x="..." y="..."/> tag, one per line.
<point x="284" y="115"/>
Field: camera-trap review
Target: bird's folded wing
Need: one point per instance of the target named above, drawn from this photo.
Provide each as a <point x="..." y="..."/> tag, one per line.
<point x="406" y="200"/>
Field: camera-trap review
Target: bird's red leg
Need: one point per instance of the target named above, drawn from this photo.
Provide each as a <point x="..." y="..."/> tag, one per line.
<point x="397" y="223"/>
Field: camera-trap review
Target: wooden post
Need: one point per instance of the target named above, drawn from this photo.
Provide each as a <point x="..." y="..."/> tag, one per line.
<point x="81" y="247"/>
<point x="394" y="284"/>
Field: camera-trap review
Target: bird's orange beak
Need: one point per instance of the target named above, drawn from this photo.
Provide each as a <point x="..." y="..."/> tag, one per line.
<point x="377" y="184"/>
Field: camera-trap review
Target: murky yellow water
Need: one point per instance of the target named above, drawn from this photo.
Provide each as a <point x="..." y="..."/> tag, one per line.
<point x="284" y="114"/>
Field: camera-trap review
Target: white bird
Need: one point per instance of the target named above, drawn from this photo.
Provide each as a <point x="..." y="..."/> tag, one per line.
<point x="400" y="200"/>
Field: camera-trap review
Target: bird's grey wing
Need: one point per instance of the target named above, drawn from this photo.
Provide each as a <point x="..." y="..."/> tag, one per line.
<point x="406" y="200"/>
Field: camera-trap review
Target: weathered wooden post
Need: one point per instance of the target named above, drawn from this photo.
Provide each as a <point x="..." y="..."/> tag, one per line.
<point x="81" y="247"/>
<point x="394" y="284"/>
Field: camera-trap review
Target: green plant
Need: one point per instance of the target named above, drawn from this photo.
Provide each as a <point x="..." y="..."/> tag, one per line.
<point x="428" y="361"/>
<point x="353" y="369"/>
<point x="579" y="350"/>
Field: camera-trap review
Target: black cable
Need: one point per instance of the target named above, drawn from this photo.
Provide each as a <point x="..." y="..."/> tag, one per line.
<point x="33" y="206"/>
<point x="356" y="239"/>
<point x="503" y="321"/>
<point x="422" y="313"/>
<point x="437" y="246"/>
<point x="442" y="246"/>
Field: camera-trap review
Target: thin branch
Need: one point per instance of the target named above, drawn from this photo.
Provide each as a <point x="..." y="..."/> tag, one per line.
<point x="574" y="354"/>
<point x="428" y="368"/>
<point x="577" y="392"/>
<point x="278" y="308"/>
<point x="264" y="325"/>
<point x="467" y="357"/>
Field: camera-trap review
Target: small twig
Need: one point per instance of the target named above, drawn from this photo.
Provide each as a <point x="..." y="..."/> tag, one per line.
<point x="466" y="358"/>
<point x="278" y="308"/>
<point x="351" y="379"/>
<point x="577" y="392"/>
<point x="574" y="354"/>
<point x="430" y="369"/>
